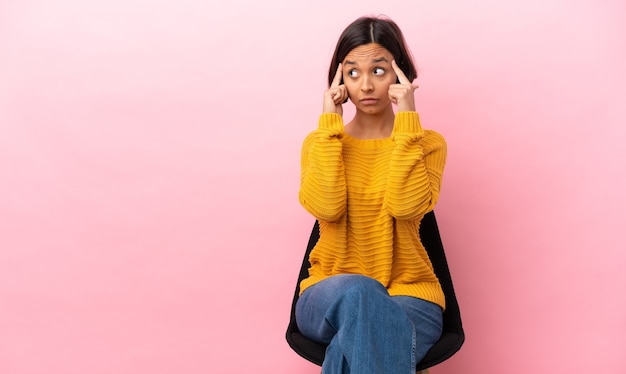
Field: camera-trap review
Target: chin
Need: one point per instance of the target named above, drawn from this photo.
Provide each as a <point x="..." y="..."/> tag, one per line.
<point x="373" y="109"/>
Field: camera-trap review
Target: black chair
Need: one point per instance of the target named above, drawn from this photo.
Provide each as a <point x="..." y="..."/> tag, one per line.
<point x="452" y="337"/>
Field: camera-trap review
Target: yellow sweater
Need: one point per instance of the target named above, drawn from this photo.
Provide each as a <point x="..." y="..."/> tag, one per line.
<point x="369" y="197"/>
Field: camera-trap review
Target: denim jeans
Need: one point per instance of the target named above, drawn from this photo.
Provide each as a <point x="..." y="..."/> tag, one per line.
<point x="367" y="331"/>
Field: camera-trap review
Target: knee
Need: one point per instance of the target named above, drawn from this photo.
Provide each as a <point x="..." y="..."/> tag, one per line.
<point x="359" y="287"/>
<point x="343" y="289"/>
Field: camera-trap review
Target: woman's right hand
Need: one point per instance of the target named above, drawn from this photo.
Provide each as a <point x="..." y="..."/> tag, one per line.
<point x="335" y="96"/>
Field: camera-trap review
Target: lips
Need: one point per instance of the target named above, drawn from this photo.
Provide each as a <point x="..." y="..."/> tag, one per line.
<point x="369" y="101"/>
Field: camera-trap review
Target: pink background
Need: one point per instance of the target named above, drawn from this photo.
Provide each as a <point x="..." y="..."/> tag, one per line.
<point x="149" y="150"/>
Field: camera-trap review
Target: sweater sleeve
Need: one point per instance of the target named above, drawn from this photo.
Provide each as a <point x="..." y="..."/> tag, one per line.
<point x="323" y="182"/>
<point x="415" y="168"/>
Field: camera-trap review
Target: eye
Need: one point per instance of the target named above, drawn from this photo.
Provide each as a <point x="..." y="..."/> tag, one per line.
<point x="379" y="71"/>
<point x="352" y="73"/>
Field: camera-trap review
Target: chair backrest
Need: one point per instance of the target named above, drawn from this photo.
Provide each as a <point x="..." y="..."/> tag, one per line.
<point x="453" y="335"/>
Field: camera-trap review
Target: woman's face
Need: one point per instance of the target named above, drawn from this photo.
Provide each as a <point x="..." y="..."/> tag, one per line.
<point x="367" y="74"/>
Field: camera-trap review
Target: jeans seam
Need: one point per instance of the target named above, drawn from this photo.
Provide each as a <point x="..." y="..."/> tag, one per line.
<point x="413" y="353"/>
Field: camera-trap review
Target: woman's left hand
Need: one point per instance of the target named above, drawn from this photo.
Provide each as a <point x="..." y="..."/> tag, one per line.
<point x="402" y="94"/>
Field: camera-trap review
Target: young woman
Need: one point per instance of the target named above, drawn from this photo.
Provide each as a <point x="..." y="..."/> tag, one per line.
<point x="371" y="294"/>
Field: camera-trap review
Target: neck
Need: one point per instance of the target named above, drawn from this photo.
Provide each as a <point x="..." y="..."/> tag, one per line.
<point x="371" y="126"/>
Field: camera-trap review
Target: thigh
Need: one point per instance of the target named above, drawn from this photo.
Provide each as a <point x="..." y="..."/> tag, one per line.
<point x="316" y="302"/>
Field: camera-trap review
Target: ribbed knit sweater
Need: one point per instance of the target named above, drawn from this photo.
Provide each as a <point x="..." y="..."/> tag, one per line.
<point x="369" y="197"/>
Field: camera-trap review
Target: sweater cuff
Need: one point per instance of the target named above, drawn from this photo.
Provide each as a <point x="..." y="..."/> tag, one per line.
<point x="331" y="124"/>
<point x="408" y="122"/>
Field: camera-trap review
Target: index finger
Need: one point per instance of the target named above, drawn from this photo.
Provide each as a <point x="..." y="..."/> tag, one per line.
<point x="401" y="77"/>
<point x="337" y="78"/>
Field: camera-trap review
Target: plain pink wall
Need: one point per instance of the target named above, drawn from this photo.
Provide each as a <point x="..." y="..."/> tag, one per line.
<point x="149" y="151"/>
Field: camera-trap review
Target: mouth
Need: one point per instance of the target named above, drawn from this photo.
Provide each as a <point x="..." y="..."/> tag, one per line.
<point x="369" y="100"/>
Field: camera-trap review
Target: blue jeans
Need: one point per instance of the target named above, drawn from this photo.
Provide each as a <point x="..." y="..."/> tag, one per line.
<point x="367" y="331"/>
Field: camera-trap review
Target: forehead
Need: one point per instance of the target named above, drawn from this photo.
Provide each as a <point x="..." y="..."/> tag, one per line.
<point x="368" y="52"/>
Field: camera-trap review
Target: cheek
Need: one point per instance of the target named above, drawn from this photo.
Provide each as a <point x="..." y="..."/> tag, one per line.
<point x="392" y="79"/>
<point x="352" y="88"/>
<point x="383" y="86"/>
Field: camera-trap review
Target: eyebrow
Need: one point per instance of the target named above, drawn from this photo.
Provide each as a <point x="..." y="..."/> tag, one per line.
<point x="376" y="61"/>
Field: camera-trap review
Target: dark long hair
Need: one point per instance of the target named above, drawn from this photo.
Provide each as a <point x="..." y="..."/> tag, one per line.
<point x="366" y="30"/>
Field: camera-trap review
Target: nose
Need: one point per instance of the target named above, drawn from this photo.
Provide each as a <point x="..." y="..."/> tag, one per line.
<point x="366" y="84"/>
